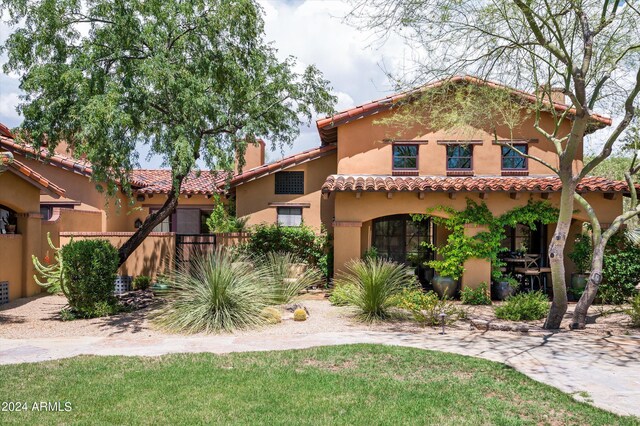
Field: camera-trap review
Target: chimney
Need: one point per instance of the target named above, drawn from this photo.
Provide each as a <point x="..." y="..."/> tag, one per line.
<point x="556" y="94"/>
<point x="253" y="156"/>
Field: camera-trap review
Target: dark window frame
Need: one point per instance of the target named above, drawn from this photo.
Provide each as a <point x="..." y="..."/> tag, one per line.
<point x="282" y="187"/>
<point x="470" y="157"/>
<point x="504" y="154"/>
<point x="405" y="157"/>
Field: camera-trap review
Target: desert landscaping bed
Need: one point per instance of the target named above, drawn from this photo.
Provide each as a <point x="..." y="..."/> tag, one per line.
<point x="39" y="317"/>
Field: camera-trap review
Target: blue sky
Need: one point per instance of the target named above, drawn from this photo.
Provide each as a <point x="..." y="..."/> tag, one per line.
<point x="313" y="32"/>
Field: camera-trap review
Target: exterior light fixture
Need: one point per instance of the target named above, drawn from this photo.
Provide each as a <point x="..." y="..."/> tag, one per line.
<point x="442" y="317"/>
<point x="138" y="223"/>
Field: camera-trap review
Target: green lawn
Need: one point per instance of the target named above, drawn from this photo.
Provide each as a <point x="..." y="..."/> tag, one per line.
<point x="358" y="384"/>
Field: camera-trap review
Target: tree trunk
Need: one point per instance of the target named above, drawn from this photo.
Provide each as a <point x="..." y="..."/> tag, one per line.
<point x="579" y="320"/>
<point x="556" y="256"/>
<point x="151" y="222"/>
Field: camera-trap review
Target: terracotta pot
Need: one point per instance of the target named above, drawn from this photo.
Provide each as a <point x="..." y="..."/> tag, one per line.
<point x="501" y="290"/>
<point x="445" y="286"/>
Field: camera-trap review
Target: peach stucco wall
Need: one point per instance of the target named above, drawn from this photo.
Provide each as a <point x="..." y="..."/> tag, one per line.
<point x="154" y="256"/>
<point x="253" y="198"/>
<point x="361" y="149"/>
<point x="11" y="261"/>
<point x="16" y="250"/>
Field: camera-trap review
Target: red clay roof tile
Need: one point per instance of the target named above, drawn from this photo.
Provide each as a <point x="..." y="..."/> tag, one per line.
<point x="293" y="160"/>
<point x="373" y="183"/>
<point x="158" y="181"/>
<point x="7" y="160"/>
<point x="327" y="127"/>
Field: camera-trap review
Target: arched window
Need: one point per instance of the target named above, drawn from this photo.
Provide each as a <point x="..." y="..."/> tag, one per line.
<point x="8" y="220"/>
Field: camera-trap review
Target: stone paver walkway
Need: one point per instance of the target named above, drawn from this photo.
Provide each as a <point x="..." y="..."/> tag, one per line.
<point x="606" y="368"/>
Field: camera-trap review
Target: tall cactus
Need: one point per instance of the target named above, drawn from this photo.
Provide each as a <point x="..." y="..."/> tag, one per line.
<point x="51" y="272"/>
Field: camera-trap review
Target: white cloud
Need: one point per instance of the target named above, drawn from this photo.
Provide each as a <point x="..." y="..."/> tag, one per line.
<point x="8" y="103"/>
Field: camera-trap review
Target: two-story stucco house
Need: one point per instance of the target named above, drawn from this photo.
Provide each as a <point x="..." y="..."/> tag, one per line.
<point x="362" y="185"/>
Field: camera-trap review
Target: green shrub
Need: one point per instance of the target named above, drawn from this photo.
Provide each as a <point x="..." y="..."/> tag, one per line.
<point x="216" y="292"/>
<point x="301" y="241"/>
<point x="477" y="296"/>
<point x="342" y="294"/>
<point x="634" y="311"/>
<point x="371" y="253"/>
<point x="141" y="282"/>
<point x="89" y="268"/>
<point x="223" y="218"/>
<point x="620" y="272"/>
<point x="582" y="252"/>
<point x="524" y="307"/>
<point x="375" y="282"/>
<point x="280" y="269"/>
<point x="426" y="307"/>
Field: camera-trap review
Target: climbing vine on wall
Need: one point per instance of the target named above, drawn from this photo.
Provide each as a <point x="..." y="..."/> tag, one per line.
<point x="485" y="244"/>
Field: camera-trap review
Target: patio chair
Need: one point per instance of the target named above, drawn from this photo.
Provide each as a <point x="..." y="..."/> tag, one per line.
<point x="531" y="271"/>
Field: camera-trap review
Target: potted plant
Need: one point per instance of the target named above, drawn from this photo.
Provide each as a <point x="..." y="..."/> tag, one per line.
<point x="504" y="287"/>
<point x="448" y="272"/>
<point x="581" y="257"/>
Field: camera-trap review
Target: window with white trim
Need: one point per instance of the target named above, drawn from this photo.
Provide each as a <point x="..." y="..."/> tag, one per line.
<point x="289" y="216"/>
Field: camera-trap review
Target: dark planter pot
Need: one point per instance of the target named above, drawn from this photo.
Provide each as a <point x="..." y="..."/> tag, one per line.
<point x="445" y="286"/>
<point x="501" y="290"/>
<point x="579" y="281"/>
<point x="578" y="284"/>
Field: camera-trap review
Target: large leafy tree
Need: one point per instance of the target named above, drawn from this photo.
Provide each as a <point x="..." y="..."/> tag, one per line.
<point x="588" y="49"/>
<point x="190" y="79"/>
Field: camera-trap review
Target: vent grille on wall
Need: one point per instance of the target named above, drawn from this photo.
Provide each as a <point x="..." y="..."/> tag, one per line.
<point x="123" y="284"/>
<point x="4" y="292"/>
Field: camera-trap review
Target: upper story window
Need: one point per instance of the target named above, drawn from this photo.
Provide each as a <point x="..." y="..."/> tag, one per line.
<point x="289" y="183"/>
<point x="511" y="160"/>
<point x="405" y="157"/>
<point x="459" y="157"/>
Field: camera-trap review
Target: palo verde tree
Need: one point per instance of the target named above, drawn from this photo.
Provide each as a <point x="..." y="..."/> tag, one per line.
<point x="191" y="80"/>
<point x="588" y="50"/>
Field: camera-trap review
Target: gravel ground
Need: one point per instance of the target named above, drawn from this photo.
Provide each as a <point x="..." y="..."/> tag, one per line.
<point x="37" y="317"/>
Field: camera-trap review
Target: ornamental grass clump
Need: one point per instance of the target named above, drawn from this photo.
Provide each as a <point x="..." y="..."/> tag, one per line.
<point x="216" y="292"/>
<point x="375" y="282"/>
<point x="288" y="275"/>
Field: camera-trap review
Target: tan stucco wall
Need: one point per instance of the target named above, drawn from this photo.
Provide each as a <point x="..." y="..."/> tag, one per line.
<point x="361" y="149"/>
<point x="16" y="251"/>
<point x="253" y="198"/>
<point x="11" y="261"/>
<point x="353" y="216"/>
<point x="154" y="256"/>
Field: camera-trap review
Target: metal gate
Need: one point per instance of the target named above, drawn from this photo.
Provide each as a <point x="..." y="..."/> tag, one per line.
<point x="190" y="246"/>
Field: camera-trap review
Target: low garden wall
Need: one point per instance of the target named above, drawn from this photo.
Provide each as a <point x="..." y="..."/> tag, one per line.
<point x="154" y="256"/>
<point x="11" y="269"/>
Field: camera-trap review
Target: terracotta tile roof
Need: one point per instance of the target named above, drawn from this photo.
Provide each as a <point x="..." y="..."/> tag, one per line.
<point x="7" y="161"/>
<point x="158" y="181"/>
<point x="4" y="131"/>
<point x="81" y="167"/>
<point x="327" y="127"/>
<point x="385" y="183"/>
<point x="293" y="160"/>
